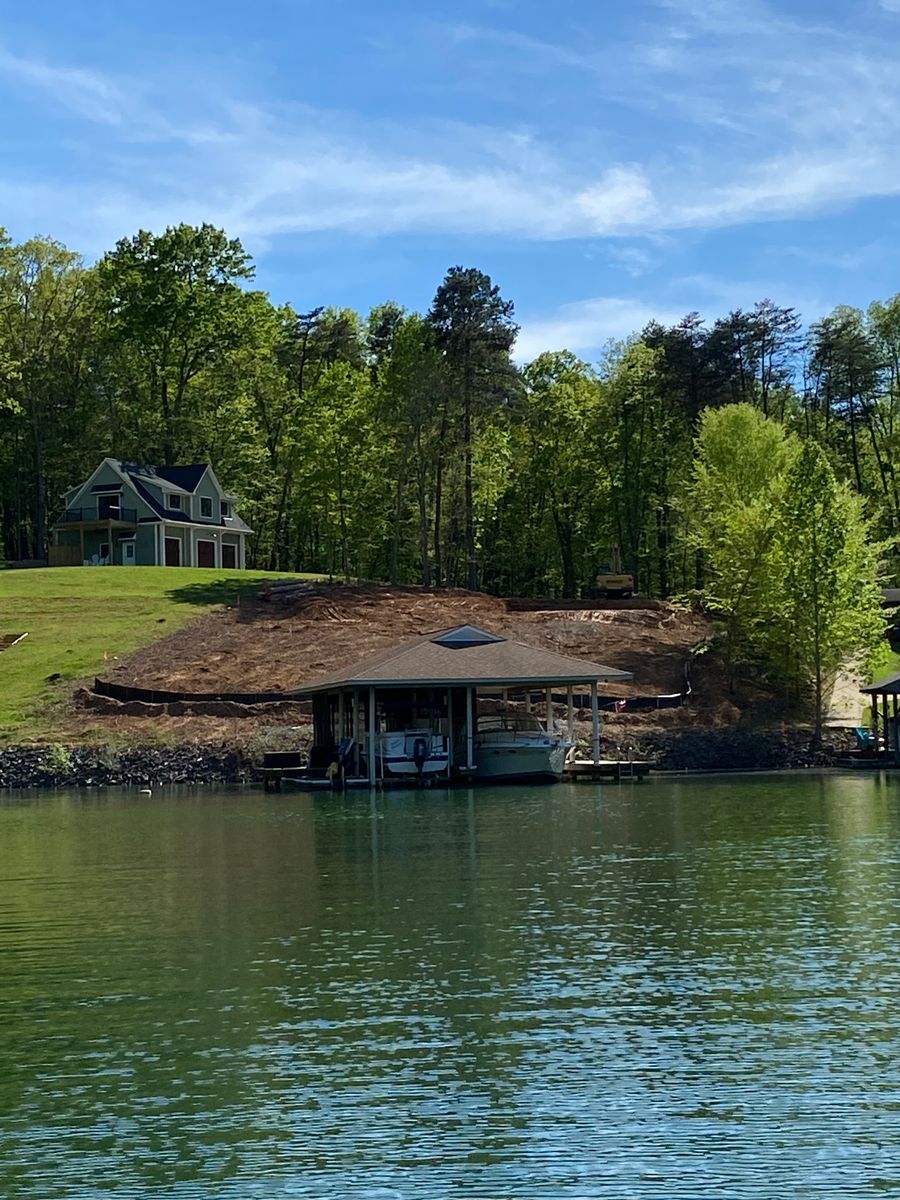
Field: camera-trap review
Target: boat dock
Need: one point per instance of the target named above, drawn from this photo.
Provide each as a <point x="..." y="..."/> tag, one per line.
<point x="617" y="770"/>
<point x="293" y="770"/>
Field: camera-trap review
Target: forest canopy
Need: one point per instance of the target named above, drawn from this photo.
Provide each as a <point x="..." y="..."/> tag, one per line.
<point x="413" y="447"/>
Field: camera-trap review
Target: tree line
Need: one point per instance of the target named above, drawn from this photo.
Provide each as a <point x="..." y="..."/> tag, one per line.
<point x="412" y="447"/>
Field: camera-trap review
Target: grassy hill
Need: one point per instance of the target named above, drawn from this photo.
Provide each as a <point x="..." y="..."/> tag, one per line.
<point x="79" y="620"/>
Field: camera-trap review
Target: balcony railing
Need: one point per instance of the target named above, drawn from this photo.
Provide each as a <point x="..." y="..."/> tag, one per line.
<point x="111" y="513"/>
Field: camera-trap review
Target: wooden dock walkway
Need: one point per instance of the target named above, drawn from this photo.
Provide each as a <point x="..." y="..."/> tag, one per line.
<point x="617" y="770"/>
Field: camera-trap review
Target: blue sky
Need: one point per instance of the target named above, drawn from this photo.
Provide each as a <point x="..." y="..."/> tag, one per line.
<point x="605" y="163"/>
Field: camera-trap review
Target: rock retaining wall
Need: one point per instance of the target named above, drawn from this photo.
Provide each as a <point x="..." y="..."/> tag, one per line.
<point x="669" y="750"/>
<point x="738" y="749"/>
<point x="83" y="766"/>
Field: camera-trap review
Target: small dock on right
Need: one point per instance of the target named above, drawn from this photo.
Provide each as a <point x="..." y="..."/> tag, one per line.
<point x="618" y="770"/>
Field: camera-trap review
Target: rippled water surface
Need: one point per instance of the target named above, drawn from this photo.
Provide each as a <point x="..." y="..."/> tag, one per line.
<point x="677" y="989"/>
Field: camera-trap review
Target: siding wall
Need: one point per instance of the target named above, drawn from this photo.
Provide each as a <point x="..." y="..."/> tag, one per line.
<point x="145" y="547"/>
<point x="206" y="488"/>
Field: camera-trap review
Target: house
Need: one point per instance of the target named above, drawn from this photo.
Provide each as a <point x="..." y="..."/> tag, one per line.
<point x="129" y="515"/>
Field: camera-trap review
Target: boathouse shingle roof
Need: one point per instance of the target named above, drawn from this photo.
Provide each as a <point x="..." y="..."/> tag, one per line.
<point x="464" y="656"/>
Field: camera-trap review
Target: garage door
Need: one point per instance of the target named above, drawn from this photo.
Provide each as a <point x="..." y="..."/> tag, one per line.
<point x="206" y="554"/>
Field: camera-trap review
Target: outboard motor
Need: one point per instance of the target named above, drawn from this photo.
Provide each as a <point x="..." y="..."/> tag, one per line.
<point x="420" y="755"/>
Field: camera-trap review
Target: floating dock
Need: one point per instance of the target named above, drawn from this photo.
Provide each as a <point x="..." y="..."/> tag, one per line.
<point x="294" y="775"/>
<point x="617" y="770"/>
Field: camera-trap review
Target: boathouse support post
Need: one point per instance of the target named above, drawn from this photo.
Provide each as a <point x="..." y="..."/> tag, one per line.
<point x="595" y="725"/>
<point x="571" y="713"/>
<point x="356" y="732"/>
<point x="470" y="729"/>
<point x="340" y="715"/>
<point x="896" y="736"/>
<point x="886" y="726"/>
<point x="549" y="695"/>
<point x="449" y="731"/>
<point x="371" y="743"/>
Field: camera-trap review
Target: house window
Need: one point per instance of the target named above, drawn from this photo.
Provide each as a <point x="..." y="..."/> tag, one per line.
<point x="205" y="506"/>
<point x="226" y="509"/>
<point x="174" y="502"/>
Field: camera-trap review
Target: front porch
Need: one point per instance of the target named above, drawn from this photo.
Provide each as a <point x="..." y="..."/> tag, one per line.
<point x="108" y="542"/>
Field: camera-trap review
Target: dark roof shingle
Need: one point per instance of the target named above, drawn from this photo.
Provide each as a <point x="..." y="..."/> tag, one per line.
<point x="430" y="661"/>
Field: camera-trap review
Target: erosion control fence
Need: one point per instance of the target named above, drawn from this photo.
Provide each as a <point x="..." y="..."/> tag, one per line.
<point x="116" y="691"/>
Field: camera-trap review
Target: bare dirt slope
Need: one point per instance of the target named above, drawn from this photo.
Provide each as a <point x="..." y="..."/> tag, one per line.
<point x="269" y="645"/>
<point x="263" y="645"/>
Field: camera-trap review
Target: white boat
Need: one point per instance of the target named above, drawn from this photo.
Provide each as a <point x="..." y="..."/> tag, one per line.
<point x="516" y="745"/>
<point x="412" y="752"/>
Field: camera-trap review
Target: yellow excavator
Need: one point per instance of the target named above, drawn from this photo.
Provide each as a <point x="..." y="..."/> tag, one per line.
<point x="611" y="580"/>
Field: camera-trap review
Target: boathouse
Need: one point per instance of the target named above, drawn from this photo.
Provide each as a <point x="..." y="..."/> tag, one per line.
<point x="436" y="680"/>
<point x="884" y="743"/>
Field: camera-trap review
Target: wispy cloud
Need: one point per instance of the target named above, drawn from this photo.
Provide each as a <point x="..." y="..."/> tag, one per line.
<point x="762" y="118"/>
<point x="81" y="92"/>
<point x="587" y="325"/>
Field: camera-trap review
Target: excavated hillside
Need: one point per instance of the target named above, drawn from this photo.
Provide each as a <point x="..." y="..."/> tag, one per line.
<point x="279" y="641"/>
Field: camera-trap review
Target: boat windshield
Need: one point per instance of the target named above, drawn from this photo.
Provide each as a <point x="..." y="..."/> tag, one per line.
<point x="509" y="723"/>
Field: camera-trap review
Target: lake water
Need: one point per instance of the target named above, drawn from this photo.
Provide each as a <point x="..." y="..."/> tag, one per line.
<point x="677" y="989"/>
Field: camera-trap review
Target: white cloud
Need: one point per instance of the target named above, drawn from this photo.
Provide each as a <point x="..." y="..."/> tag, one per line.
<point x="622" y="198"/>
<point x="587" y="325"/>
<point x="891" y="5"/>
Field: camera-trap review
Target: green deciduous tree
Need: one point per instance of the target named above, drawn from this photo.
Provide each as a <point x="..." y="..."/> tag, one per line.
<point x="734" y="514"/>
<point x="831" y="607"/>
<point x="173" y="307"/>
<point x="44" y="345"/>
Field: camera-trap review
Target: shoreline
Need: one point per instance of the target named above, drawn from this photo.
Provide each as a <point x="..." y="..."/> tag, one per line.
<point x="672" y="752"/>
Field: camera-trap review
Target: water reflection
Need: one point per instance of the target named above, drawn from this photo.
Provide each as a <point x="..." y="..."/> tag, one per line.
<point x="679" y="989"/>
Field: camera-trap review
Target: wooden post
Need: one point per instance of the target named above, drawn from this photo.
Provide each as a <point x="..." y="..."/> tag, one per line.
<point x="571" y="713"/>
<point x="549" y="698"/>
<point x="896" y="737"/>
<point x="470" y="730"/>
<point x="449" y="731"/>
<point x="595" y="725"/>
<point x="340" y="736"/>
<point x="372" y="738"/>
<point x="356" y="732"/>
<point x="887" y="727"/>
<point x="81" y="536"/>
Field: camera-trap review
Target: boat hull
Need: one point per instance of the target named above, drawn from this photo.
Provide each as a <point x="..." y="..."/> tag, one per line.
<point x="521" y="760"/>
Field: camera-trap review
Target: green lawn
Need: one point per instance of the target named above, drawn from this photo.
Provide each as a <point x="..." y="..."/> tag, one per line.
<point x="78" y="619"/>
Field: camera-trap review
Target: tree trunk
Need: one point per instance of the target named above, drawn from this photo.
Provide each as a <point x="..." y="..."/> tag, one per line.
<point x="566" y="556"/>
<point x="438" y="501"/>
<point x="398" y="517"/>
<point x="662" y="548"/>
<point x="423" y="515"/>
<point x="39" y="530"/>
<point x="169" y="450"/>
<point x="469" y="502"/>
